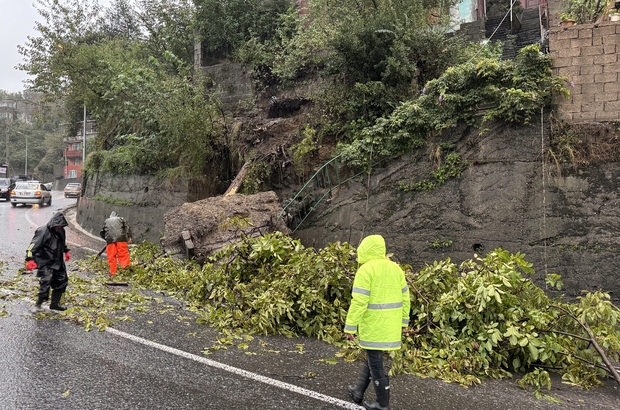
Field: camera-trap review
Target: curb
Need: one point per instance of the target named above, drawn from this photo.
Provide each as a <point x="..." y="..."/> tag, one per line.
<point x="70" y="216"/>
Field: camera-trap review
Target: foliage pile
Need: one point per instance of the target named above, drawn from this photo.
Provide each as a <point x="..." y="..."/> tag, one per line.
<point x="482" y="318"/>
<point x="486" y="318"/>
<point x="266" y="285"/>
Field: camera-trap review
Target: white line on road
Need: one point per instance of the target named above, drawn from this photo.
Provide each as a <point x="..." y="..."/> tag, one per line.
<point x="27" y="216"/>
<point x="237" y="371"/>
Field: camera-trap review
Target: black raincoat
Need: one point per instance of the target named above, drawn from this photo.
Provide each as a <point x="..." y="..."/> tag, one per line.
<point x="49" y="244"/>
<point x="47" y="249"/>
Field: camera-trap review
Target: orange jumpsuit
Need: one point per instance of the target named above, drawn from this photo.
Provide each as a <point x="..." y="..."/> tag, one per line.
<point x="120" y="251"/>
<point x="116" y="233"/>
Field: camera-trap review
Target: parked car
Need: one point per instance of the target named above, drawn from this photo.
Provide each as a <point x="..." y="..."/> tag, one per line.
<point x="30" y="193"/>
<point x="73" y="189"/>
<point x="6" y="186"/>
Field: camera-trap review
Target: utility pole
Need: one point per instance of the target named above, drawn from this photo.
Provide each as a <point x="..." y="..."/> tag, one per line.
<point x="7" y="142"/>
<point x="84" y="144"/>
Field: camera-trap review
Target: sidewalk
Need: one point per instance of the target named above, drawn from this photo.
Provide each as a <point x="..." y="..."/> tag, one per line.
<point x="71" y="217"/>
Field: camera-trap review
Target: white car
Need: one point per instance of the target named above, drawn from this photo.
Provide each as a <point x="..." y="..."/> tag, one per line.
<point x="30" y="193"/>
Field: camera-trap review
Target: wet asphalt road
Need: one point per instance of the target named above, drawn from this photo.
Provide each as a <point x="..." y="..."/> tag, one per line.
<point x="156" y="361"/>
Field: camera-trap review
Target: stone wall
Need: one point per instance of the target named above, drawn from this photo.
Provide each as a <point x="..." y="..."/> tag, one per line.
<point x="141" y="200"/>
<point x="473" y="31"/>
<point x="234" y="85"/>
<point x="60" y="184"/>
<point x="507" y="198"/>
<point x="588" y="55"/>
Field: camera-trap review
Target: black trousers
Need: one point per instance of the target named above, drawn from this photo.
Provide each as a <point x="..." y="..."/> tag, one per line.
<point x="374" y="358"/>
<point x="51" y="278"/>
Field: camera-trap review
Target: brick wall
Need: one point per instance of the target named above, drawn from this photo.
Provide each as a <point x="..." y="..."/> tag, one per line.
<point x="587" y="54"/>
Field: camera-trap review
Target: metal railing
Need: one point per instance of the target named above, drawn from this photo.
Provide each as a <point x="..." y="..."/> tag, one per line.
<point x="319" y="186"/>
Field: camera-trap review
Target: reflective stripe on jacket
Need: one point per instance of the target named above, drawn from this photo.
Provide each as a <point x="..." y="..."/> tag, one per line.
<point x="380" y="298"/>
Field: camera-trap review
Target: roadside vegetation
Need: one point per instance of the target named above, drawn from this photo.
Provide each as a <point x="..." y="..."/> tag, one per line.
<point x="36" y="146"/>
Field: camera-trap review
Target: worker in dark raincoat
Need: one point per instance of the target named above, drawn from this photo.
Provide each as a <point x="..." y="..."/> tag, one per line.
<point x="48" y="253"/>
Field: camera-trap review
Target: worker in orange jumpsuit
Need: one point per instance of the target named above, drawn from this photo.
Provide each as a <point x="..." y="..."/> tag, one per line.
<point x="117" y="234"/>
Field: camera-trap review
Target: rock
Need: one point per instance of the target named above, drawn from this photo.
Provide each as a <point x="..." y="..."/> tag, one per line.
<point x="215" y="222"/>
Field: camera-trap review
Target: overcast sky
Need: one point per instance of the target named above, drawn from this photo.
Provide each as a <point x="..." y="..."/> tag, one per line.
<point x="17" y="18"/>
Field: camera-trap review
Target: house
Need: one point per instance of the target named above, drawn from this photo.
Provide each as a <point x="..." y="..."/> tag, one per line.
<point x="74" y="153"/>
<point x="12" y="109"/>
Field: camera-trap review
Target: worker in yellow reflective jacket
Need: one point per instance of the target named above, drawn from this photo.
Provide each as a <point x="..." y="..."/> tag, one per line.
<point x="379" y="314"/>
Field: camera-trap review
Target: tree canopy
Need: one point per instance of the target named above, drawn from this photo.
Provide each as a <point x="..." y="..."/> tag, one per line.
<point x="130" y="66"/>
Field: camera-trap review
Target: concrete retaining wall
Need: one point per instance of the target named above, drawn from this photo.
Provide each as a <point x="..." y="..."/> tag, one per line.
<point x="234" y="84"/>
<point x="567" y="225"/>
<point x="141" y="200"/>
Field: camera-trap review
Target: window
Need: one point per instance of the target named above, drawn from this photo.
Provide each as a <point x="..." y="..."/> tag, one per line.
<point x="76" y="147"/>
<point x="76" y="161"/>
<point x="73" y="173"/>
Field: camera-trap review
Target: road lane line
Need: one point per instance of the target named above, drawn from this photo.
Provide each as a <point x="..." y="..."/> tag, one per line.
<point x="244" y="373"/>
<point x="27" y="216"/>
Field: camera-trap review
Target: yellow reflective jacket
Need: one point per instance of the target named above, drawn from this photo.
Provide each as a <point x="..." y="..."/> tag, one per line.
<point x="380" y="298"/>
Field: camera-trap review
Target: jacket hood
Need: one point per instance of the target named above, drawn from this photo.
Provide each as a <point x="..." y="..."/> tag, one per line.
<point x="57" y="220"/>
<point x="113" y="214"/>
<point x="371" y="248"/>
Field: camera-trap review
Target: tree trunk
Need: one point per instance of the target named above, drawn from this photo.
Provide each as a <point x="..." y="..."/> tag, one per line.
<point x="234" y="186"/>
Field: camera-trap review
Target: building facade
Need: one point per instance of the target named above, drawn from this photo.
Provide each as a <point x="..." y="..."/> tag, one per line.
<point x="74" y="153"/>
<point x="12" y="109"/>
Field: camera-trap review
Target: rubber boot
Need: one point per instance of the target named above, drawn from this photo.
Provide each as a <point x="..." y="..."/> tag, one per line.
<point x="37" y="306"/>
<point x="357" y="392"/>
<point x="382" y="389"/>
<point x="55" y="305"/>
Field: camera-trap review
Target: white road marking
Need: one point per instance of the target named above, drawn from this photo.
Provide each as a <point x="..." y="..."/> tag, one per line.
<point x="240" y="372"/>
<point x="27" y="216"/>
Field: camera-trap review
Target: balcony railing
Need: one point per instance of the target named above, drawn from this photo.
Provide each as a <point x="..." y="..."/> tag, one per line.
<point x="73" y="153"/>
